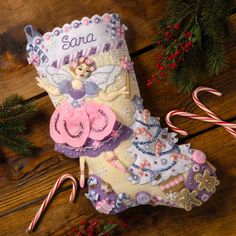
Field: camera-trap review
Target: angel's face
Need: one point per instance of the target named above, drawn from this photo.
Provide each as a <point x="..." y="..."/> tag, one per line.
<point x="82" y="71"/>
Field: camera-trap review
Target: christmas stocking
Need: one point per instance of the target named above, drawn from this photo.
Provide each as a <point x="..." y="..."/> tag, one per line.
<point x="99" y="118"/>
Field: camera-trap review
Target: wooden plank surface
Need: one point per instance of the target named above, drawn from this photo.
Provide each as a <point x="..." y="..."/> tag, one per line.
<point x="24" y="182"/>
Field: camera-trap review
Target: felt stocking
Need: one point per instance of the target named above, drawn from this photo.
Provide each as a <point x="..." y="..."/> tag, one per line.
<point x="99" y="117"/>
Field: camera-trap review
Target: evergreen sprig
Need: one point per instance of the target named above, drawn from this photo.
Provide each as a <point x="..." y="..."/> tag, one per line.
<point x="207" y="23"/>
<point x="14" y="115"/>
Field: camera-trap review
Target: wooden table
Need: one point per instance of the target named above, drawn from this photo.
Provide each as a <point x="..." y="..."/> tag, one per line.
<point x="25" y="181"/>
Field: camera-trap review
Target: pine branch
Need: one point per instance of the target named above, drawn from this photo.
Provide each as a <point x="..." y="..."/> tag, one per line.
<point x="18" y="114"/>
<point x="186" y="75"/>
<point x="215" y="54"/>
<point x="180" y="9"/>
<point x="196" y="29"/>
<point x="14" y="111"/>
<point x="9" y="128"/>
<point x="16" y="144"/>
<point x="11" y="101"/>
<point x="184" y="78"/>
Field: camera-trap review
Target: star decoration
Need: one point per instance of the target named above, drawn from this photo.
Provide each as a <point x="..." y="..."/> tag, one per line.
<point x="207" y="182"/>
<point x="171" y="196"/>
<point x="188" y="199"/>
<point x="106" y="188"/>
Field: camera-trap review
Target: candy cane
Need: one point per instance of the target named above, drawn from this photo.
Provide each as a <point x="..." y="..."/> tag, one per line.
<point x="50" y="196"/>
<point x="204" y="108"/>
<point x="196" y="117"/>
<point x="176" y="156"/>
<point x="144" y="132"/>
<point x="121" y="198"/>
<point x="212" y="116"/>
<point x="142" y="166"/>
<point x="158" y="147"/>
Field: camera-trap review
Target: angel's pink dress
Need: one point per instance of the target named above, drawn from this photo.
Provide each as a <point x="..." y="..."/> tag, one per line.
<point x="85" y="128"/>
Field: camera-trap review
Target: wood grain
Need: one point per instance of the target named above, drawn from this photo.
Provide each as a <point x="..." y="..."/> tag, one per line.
<point x="24" y="181"/>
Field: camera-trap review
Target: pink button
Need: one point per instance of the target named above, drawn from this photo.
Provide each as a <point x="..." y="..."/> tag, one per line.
<point x="199" y="157"/>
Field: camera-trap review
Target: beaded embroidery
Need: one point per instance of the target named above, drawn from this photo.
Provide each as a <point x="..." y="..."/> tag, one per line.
<point x="104" y="125"/>
<point x="73" y="135"/>
<point x="56" y="122"/>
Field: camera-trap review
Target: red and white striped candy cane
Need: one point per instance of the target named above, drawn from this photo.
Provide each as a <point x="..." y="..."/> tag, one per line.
<point x="143" y="131"/>
<point x="158" y="147"/>
<point x="50" y="196"/>
<point x="204" y="108"/>
<point x="196" y="117"/>
<point x="177" y="156"/>
<point x="212" y="119"/>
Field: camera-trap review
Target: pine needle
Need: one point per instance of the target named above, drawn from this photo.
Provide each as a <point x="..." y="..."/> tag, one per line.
<point x="14" y="114"/>
<point x="16" y="144"/>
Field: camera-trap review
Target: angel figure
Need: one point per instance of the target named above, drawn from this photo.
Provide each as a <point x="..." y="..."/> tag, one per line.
<point x="79" y="127"/>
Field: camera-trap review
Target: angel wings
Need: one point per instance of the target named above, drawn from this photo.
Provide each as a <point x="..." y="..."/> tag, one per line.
<point x="102" y="76"/>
